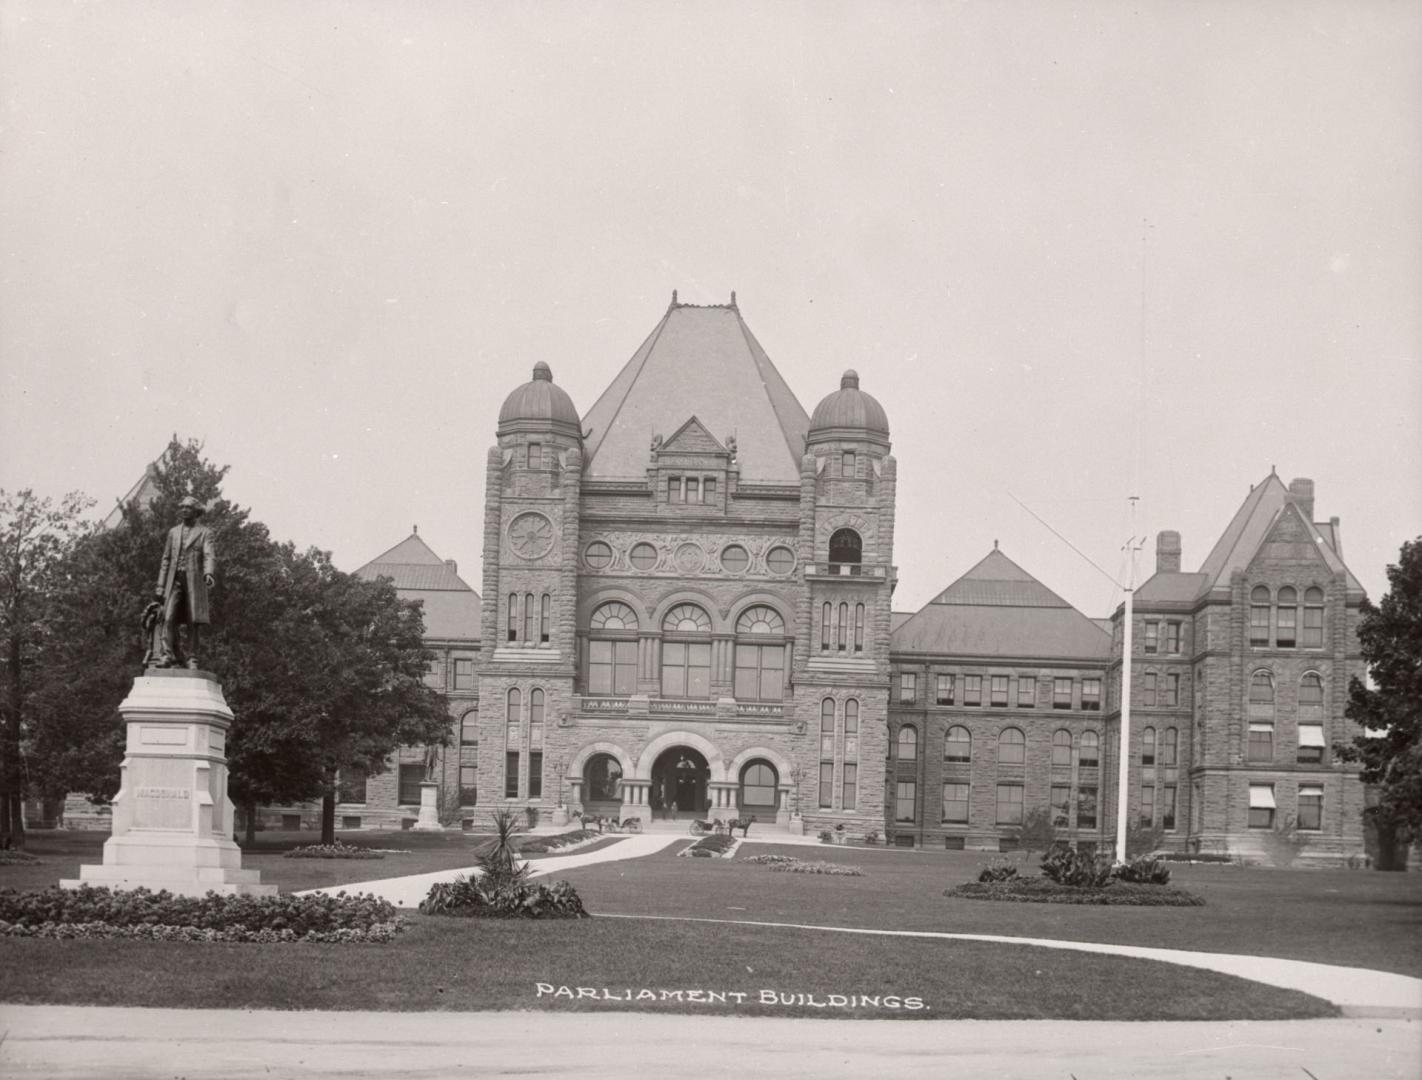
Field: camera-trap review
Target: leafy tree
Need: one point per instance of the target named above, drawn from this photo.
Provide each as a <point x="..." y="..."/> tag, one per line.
<point x="1390" y="747"/>
<point x="1037" y="832"/>
<point x="35" y="535"/>
<point x="323" y="671"/>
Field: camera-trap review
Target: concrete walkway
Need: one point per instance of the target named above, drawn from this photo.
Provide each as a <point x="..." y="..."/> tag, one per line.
<point x="67" y="1043"/>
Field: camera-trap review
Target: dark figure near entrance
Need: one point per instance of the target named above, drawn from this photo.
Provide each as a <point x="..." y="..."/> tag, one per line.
<point x="184" y="578"/>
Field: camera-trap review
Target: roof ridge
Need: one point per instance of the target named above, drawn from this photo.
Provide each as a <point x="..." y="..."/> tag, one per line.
<point x="649" y="343"/>
<point x="758" y="354"/>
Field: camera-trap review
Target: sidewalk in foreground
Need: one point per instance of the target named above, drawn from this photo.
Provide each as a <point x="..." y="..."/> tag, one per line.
<point x="62" y="1043"/>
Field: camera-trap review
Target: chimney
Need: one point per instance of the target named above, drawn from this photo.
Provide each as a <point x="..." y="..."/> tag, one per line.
<point x="1335" y="526"/>
<point x="1302" y="492"/>
<point x="453" y="566"/>
<point x="1167" y="552"/>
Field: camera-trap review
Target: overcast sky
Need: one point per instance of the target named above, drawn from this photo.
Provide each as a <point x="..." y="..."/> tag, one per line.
<point x="1078" y="251"/>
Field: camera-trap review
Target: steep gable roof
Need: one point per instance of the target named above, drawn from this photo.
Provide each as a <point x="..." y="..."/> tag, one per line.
<point x="451" y="606"/>
<point x="693" y="438"/>
<point x="997" y="609"/>
<point x="703" y="362"/>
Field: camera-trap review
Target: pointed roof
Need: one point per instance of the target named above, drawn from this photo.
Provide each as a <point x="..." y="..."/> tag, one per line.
<point x="997" y="609"/>
<point x="700" y="361"/>
<point x="451" y="606"/>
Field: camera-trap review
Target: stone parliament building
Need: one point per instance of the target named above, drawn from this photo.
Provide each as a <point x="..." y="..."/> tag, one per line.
<point x="686" y="611"/>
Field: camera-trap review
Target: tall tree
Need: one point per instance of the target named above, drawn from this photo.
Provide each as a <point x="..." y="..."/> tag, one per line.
<point x="35" y="536"/>
<point x="1390" y="711"/>
<point x="323" y="671"/>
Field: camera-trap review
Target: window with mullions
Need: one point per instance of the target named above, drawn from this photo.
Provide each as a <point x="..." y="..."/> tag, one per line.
<point x="1091" y="695"/>
<point x="1061" y="748"/>
<point x="826" y="785"/>
<point x="1086" y="808"/>
<point x="1149" y="688"/>
<point x="1152" y="637"/>
<point x="513" y="617"/>
<point x="1147" y="805"/>
<point x="1287" y="628"/>
<point x="1313" y="618"/>
<point x="858" y="627"/>
<point x="1011" y="747"/>
<point x="1169" y="747"/>
<point x="535" y="455"/>
<point x="1310" y="817"/>
<point x="955" y="803"/>
<point x="905" y="801"/>
<point x="1090" y="756"/>
<point x="945" y="690"/>
<point x="998" y="692"/>
<point x="1167" y="807"/>
<point x="463" y="674"/>
<point x="513" y="717"/>
<point x="528" y="610"/>
<point x="846" y="466"/>
<point x="908" y="743"/>
<point x="1061" y="693"/>
<point x="827" y="729"/>
<point x="972" y="690"/>
<point x="468" y="785"/>
<point x="612" y="660"/>
<point x="511" y="774"/>
<point x="843" y="634"/>
<point x="760" y="666"/>
<point x="1009" y="804"/>
<point x="1310" y="725"/>
<point x="1172" y="689"/>
<point x="1259" y="599"/>
<point x="686" y="664"/>
<point x="851" y="731"/>
<point x="850" y="797"/>
<point x="908" y="687"/>
<point x="469" y="729"/>
<point x="545" y="619"/>
<point x="958" y="745"/>
<point x="1172" y="637"/>
<point x="1261" y="806"/>
<point x="411" y="777"/>
<point x="1261" y="718"/>
<point x="1147" y="747"/>
<point x="1026" y="691"/>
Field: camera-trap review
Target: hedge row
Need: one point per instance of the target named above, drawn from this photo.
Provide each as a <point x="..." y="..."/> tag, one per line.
<point x="377" y="933"/>
<point x="1045" y="891"/>
<point x="715" y="844"/>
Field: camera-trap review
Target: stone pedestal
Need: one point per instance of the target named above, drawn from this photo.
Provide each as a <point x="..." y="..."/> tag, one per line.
<point x="428" y="821"/>
<point x="172" y="819"/>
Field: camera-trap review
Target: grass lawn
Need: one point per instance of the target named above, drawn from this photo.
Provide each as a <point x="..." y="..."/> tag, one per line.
<point x="61" y="854"/>
<point x="1352" y="918"/>
<point x="463" y="964"/>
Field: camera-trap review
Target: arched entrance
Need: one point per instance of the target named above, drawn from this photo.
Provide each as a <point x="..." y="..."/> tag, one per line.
<point x="679" y="783"/>
<point x="602" y="786"/>
<point x="759" y="792"/>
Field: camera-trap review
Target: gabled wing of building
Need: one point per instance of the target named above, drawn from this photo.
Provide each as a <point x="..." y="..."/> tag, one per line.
<point x="997" y="609"/>
<point x="702" y="362"/>
<point x="451" y="606"/>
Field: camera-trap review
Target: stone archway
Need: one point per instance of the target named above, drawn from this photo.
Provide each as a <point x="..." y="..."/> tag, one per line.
<point x="680" y="784"/>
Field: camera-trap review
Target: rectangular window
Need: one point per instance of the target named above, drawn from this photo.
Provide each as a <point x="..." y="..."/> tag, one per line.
<point x="411" y="777"/>
<point x="708" y="489"/>
<point x="686" y="669"/>
<point x="1172" y="689"/>
<point x="464" y="674"/>
<point x="1148" y="805"/>
<point x="955" y="804"/>
<point x="545" y="619"/>
<point x="535" y="455"/>
<point x="434" y="675"/>
<point x="1261" y="806"/>
<point x="999" y="691"/>
<point x="469" y="729"/>
<point x="1086" y="808"/>
<point x="1287" y="633"/>
<point x="693" y="489"/>
<point x="847" y="464"/>
<point x="904" y="803"/>
<point x="1167" y="808"/>
<point x="908" y="687"/>
<point x="612" y="667"/>
<point x="972" y="690"/>
<point x="1313" y="628"/>
<point x="675" y="493"/>
<point x="513" y="616"/>
<point x="1026" y="691"/>
<point x="1152" y="637"/>
<point x="1061" y="694"/>
<point x="1310" y="807"/>
<point x="1311" y="744"/>
<point x="511" y="774"/>
<point x="351" y="786"/>
<point x="827" y="730"/>
<point x="1172" y="638"/>
<point x="1061" y="805"/>
<point x="851" y="786"/>
<point x="826" y="784"/>
<point x="1259" y="624"/>
<point x="1261" y="742"/>
<point x="1009" y="804"/>
<point x="1091" y="695"/>
<point x="468" y="785"/>
<point x="535" y="774"/>
<point x="1148" y="689"/>
<point x="945" y="689"/>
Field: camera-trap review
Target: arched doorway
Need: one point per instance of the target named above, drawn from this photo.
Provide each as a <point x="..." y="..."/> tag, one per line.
<point x="679" y="783"/>
<point x="760" y="789"/>
<point x="602" y="786"/>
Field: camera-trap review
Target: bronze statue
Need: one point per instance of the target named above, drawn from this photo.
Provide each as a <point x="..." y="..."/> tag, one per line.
<point x="184" y="578"/>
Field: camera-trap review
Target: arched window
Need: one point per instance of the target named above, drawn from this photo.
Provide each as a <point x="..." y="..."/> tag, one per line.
<point x="602" y="779"/>
<point x="843" y="631"/>
<point x="1170" y="748"/>
<point x="760" y="786"/>
<point x="535" y="710"/>
<point x="958" y="744"/>
<point x="1287" y="630"/>
<point x="1261" y="717"/>
<point x="1061" y="747"/>
<point x="1311" y="741"/>
<point x="513" y="616"/>
<point x="908" y="743"/>
<point x="1261" y="691"/>
<point x="845" y="546"/>
<point x="1090" y="756"/>
<point x="851" y="733"/>
<point x="528" y="610"/>
<point x="686" y="661"/>
<point x="513" y="716"/>
<point x="827" y="729"/>
<point x="1313" y="618"/>
<point x="1011" y="747"/>
<point x="1311" y="692"/>
<point x="612" y="649"/>
<point x="1259" y="616"/>
<point x="825" y="628"/>
<point x="760" y="665"/>
<point x="858" y="627"/>
<point x="1148" y="746"/>
<point x="545" y="613"/>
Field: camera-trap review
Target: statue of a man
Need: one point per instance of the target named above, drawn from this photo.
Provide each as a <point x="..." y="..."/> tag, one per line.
<point x="184" y="578"/>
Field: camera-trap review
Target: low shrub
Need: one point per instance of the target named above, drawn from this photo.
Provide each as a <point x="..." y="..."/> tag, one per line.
<point x="826" y="837"/>
<point x="479" y="898"/>
<point x="541" y="845"/>
<point x="1143" y="871"/>
<point x="715" y="844"/>
<point x="94" y="912"/>
<point x="871" y="837"/>
<point x="997" y="871"/>
<point x="1067" y="867"/>
<point x="337" y="850"/>
<point x="1041" y="890"/>
<point x="9" y="856"/>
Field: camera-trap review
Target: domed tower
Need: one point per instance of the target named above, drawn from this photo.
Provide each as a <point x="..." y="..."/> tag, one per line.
<point x="847" y="483"/>
<point x="527" y="642"/>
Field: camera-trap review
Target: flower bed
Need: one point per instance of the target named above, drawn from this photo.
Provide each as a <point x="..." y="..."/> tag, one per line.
<point x="337" y="850"/>
<point x="507" y="897"/>
<point x="788" y="864"/>
<point x="1045" y="891"/>
<point x="716" y="844"/>
<point x="541" y="845"/>
<point x="9" y="857"/>
<point x="89" y="912"/>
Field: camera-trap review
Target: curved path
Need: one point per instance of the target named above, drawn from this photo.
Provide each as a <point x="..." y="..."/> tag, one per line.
<point x="1359" y="992"/>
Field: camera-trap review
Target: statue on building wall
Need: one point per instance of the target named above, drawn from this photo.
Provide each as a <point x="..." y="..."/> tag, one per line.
<point x="185" y="577"/>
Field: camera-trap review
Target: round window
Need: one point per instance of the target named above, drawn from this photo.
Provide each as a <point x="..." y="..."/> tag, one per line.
<point x="598" y="555"/>
<point x="643" y="556"/>
<point x="781" y="560"/>
<point x="735" y="559"/>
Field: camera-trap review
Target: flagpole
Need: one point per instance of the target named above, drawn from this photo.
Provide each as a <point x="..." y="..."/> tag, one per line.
<point x="1123" y="747"/>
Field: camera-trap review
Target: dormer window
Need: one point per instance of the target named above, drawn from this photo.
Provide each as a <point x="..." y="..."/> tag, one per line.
<point x="690" y="489"/>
